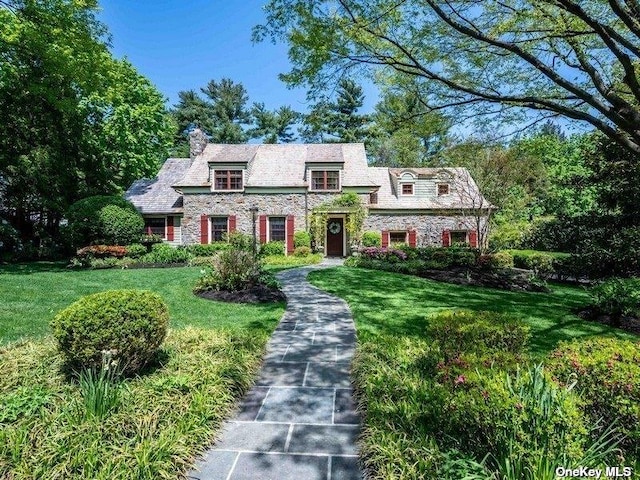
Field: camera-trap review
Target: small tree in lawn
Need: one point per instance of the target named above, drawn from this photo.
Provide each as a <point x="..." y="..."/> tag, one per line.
<point x="474" y="207"/>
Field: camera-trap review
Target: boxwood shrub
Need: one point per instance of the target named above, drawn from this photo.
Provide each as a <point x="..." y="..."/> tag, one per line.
<point x="371" y="239"/>
<point x="302" y="239"/>
<point x="272" y="248"/>
<point x="207" y="250"/>
<point x="606" y="372"/>
<point x="166" y="254"/>
<point x="130" y="323"/>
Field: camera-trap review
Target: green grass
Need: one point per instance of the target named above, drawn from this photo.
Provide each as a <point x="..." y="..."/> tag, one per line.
<point x="31" y="294"/>
<point x="396" y="304"/>
<point x="396" y="366"/>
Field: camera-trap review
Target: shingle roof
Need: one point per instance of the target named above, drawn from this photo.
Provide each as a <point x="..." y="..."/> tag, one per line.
<point x="157" y="195"/>
<point x="464" y="190"/>
<point x="281" y="165"/>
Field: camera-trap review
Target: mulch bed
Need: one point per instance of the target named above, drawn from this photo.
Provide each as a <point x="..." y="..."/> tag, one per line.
<point x="509" y="279"/>
<point x="628" y="324"/>
<point x="255" y="294"/>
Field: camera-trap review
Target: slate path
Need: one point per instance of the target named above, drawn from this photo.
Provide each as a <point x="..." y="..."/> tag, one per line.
<point x="298" y="421"/>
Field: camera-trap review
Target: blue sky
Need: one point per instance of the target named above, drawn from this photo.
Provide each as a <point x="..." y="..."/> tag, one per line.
<point x="181" y="45"/>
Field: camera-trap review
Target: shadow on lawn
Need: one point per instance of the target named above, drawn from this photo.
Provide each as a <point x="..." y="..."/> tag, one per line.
<point x="32" y="267"/>
<point x="398" y="304"/>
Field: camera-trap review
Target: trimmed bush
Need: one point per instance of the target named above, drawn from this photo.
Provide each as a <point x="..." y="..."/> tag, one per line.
<point x="302" y="239"/>
<point x="85" y="225"/>
<point x="130" y="323"/>
<point x="208" y="250"/>
<point x="119" y="226"/>
<point x="467" y="331"/>
<point x="371" y="239"/>
<point x="136" y="250"/>
<point x="495" y="261"/>
<point x="101" y="251"/>
<point x="543" y="264"/>
<point x="231" y="270"/>
<point x="272" y="248"/>
<point x="166" y="254"/>
<point x="617" y="297"/>
<point x="302" y="251"/>
<point x="606" y="372"/>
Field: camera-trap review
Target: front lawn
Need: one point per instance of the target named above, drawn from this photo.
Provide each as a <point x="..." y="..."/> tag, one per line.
<point x="31" y="294"/>
<point x="432" y="414"/>
<point x="388" y="303"/>
<point x="165" y="416"/>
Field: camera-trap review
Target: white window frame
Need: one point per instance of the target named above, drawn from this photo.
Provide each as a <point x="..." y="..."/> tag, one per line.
<point x="163" y="217"/>
<point x="413" y="189"/>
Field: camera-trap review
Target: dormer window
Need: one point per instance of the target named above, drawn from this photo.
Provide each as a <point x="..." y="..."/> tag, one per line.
<point x="443" y="189"/>
<point x="228" y="180"/>
<point x="325" y="180"/>
<point x="407" y="189"/>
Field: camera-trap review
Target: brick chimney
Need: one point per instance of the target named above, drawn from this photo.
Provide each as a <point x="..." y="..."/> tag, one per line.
<point x="197" y="142"/>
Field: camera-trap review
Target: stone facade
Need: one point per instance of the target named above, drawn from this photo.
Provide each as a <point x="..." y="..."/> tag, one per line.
<point x="299" y="205"/>
<point x="429" y="227"/>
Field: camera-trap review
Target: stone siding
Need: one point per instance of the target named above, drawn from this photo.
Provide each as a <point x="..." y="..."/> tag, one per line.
<point x="238" y="204"/>
<point x="428" y="227"/>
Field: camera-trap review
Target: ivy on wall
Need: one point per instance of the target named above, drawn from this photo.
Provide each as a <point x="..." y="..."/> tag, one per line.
<point x="346" y="202"/>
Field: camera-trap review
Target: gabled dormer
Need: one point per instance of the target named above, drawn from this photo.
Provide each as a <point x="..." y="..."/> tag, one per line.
<point x="324" y="174"/>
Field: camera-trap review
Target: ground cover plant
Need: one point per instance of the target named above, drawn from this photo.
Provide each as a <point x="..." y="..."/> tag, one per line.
<point x="440" y="389"/>
<point x="162" y="419"/>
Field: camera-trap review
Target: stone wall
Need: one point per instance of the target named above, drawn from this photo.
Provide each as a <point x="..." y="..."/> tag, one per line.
<point x="428" y="227"/>
<point x="238" y="204"/>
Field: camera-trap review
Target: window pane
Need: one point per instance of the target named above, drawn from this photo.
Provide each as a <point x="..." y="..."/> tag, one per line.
<point x="407" y="188"/>
<point x="277" y="229"/>
<point x="373" y="198"/>
<point x="218" y="228"/>
<point x="228" y="180"/>
<point x="317" y="180"/>
<point x="333" y="180"/>
<point x="154" y="226"/>
<point x="443" y="189"/>
<point x="458" y="237"/>
<point x="398" y="237"/>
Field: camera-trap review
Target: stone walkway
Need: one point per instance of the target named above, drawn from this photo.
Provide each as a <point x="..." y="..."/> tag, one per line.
<point x="298" y="421"/>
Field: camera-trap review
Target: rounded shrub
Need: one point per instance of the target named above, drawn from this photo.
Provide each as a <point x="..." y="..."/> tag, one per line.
<point x="302" y="239"/>
<point x="606" y="373"/>
<point x="371" y="239"/>
<point x="272" y="248"/>
<point x="130" y="323"/>
<point x="119" y="226"/>
<point x="83" y="227"/>
<point x="617" y="297"/>
<point x="136" y="250"/>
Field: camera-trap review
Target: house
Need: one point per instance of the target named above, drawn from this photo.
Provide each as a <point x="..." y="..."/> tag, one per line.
<point x="273" y="190"/>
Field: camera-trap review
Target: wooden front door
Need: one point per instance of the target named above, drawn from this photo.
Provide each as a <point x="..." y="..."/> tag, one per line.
<point x="335" y="237"/>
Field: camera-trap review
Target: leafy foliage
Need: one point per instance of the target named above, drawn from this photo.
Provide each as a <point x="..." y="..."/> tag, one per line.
<point x="88" y="224"/>
<point x="272" y="248"/>
<point x="617" y="297"/>
<point x="130" y="323"/>
<point x="230" y="270"/>
<point x="606" y="373"/>
<point x="136" y="250"/>
<point x="166" y="254"/>
<point x="371" y="239"/>
<point x="301" y="239"/>
<point x="207" y="250"/>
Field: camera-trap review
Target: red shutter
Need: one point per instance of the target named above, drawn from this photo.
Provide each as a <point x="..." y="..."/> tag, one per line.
<point x="385" y="238"/>
<point x="204" y="229"/>
<point x="473" y="239"/>
<point x="263" y="229"/>
<point x="446" y="238"/>
<point x="232" y="223"/>
<point x="169" y="229"/>
<point x="412" y="238"/>
<point x="289" y="234"/>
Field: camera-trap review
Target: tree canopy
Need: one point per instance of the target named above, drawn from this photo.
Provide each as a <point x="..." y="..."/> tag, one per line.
<point x="517" y="59"/>
<point x="75" y="121"/>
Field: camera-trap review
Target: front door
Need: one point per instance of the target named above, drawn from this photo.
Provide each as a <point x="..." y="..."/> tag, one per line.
<point x="335" y="237"/>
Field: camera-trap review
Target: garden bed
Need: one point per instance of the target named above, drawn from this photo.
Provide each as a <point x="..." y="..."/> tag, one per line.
<point x="254" y="294"/>
<point x="515" y="280"/>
